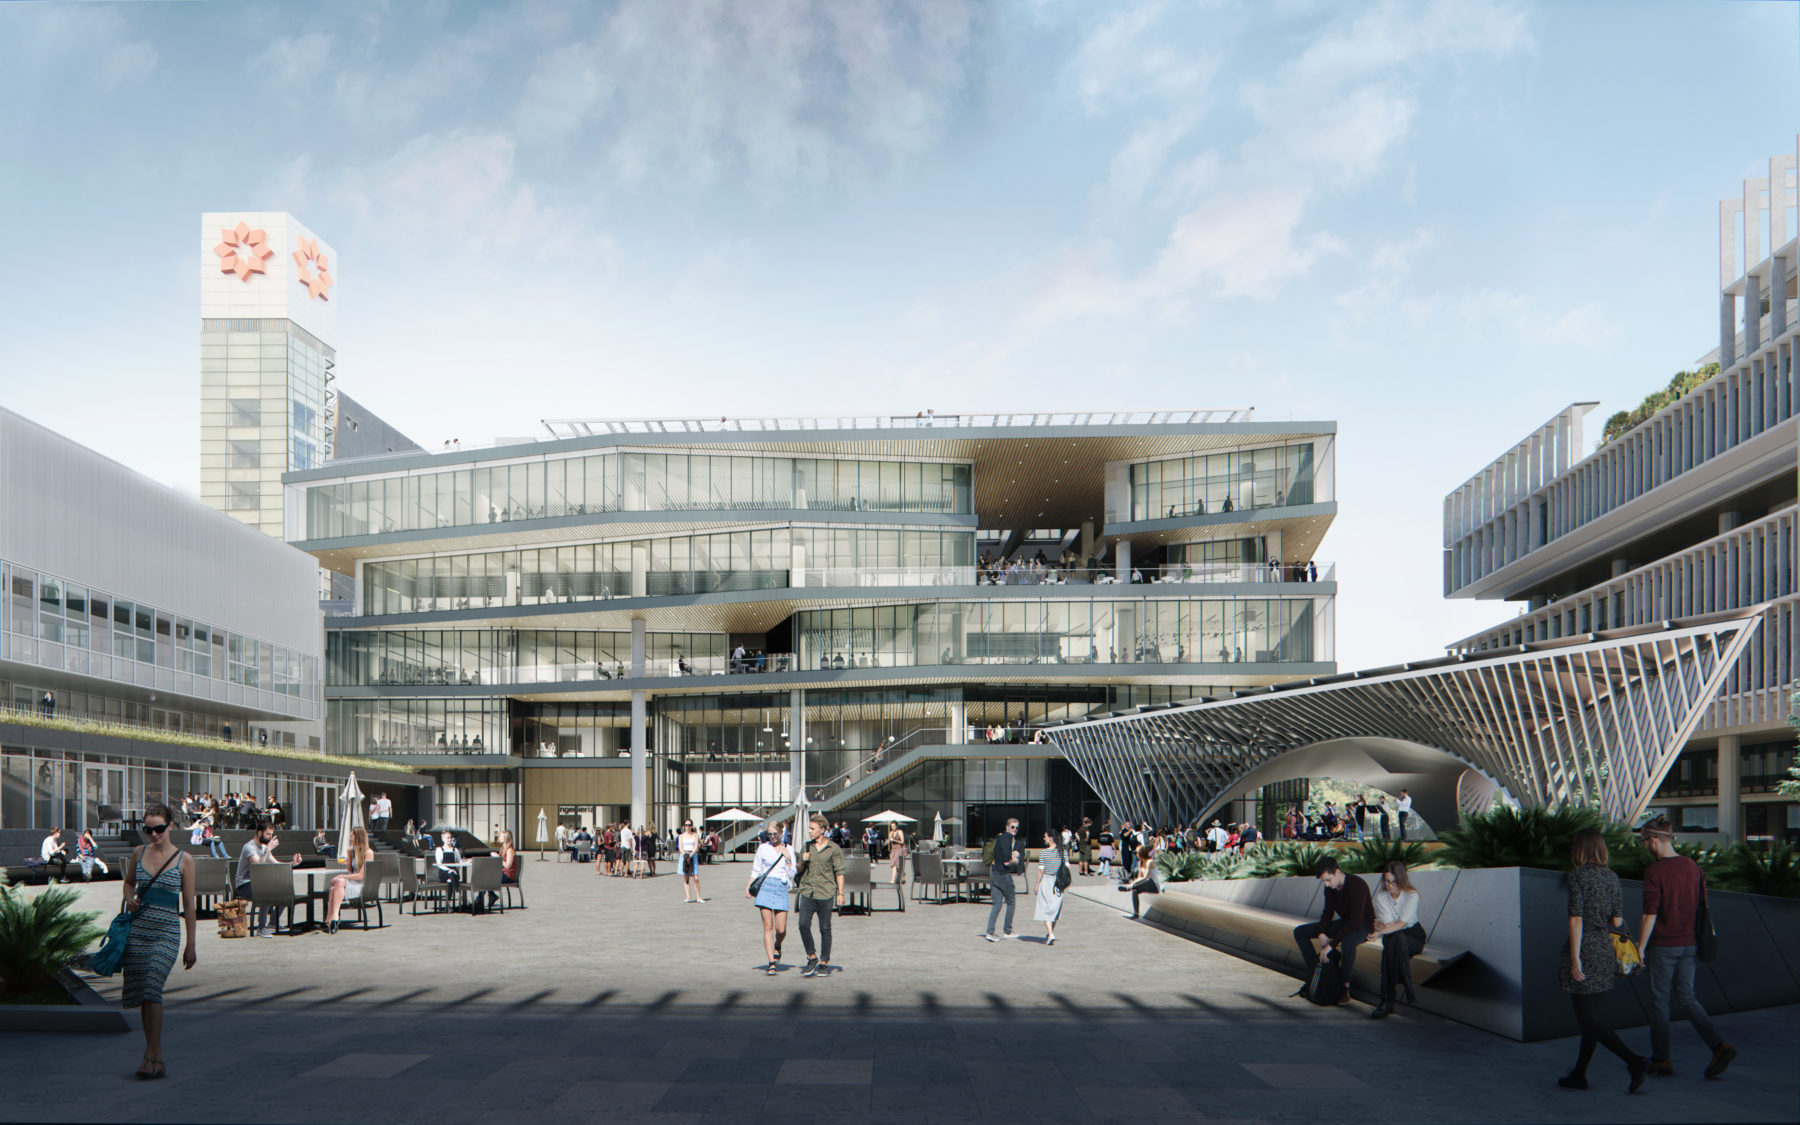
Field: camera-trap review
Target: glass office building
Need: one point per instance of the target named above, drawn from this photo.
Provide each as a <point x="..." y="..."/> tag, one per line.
<point x="664" y="619"/>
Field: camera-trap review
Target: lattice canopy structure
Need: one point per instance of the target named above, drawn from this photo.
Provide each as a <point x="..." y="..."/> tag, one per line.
<point x="1593" y="720"/>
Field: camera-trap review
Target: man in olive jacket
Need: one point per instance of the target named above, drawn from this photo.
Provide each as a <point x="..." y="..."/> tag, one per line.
<point x="821" y="877"/>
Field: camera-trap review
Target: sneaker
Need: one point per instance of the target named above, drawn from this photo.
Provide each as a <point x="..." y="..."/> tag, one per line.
<point x="1640" y="1066"/>
<point x="990" y="937"/>
<point x="1662" y="1068"/>
<point x="812" y="967"/>
<point x="1720" y="1060"/>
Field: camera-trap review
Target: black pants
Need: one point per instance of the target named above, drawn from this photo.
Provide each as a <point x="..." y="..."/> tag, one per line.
<point x="1147" y="887"/>
<point x="61" y="859"/>
<point x="1384" y="827"/>
<point x="819" y="908"/>
<point x="1403" y="826"/>
<point x="452" y="877"/>
<point x="1345" y="944"/>
<point x="1397" y="950"/>
<point x="1593" y="1032"/>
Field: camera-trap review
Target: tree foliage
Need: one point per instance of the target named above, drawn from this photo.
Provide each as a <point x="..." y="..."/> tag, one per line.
<point x="1372" y="855"/>
<point x="1626" y="420"/>
<point x="39" y="936"/>
<point x="1540" y="837"/>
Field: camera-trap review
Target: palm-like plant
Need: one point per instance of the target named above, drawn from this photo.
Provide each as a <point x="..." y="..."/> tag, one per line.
<point x="1528" y="837"/>
<point x="1277" y="860"/>
<point x="1183" y="867"/>
<point x="1372" y="855"/>
<point x="39" y="936"/>
<point x="1774" y="872"/>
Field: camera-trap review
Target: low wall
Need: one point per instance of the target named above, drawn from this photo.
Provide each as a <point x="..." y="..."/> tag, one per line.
<point x="1514" y="923"/>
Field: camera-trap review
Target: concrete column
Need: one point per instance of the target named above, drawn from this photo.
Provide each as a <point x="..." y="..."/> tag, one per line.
<point x="1752" y="313"/>
<point x="640" y="759"/>
<point x="1087" y="539"/>
<point x="1778" y="279"/>
<point x="1121" y="562"/>
<point x="1727" y="330"/>
<point x="640" y="740"/>
<point x="797" y="748"/>
<point x="640" y="569"/>
<point x="1731" y="820"/>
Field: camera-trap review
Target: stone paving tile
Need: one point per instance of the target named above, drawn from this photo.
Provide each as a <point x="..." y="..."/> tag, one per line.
<point x="825" y="1072"/>
<point x="744" y="1098"/>
<point x="1304" y="1076"/>
<point x="631" y="1099"/>
<point x="1117" y="1102"/>
<point x="956" y="1098"/>
<point x="365" y="1065"/>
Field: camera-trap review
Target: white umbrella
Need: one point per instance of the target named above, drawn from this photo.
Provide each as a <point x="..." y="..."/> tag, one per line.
<point x="543" y="832"/>
<point x="937" y="828"/>
<point x="350" y="814"/>
<point x="889" y="816"/>
<point x="733" y="815"/>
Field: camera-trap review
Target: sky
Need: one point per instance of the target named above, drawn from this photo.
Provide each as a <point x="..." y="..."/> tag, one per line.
<point x="1436" y="224"/>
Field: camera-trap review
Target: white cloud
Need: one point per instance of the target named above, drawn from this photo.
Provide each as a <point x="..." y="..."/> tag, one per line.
<point x="782" y="92"/>
<point x="109" y="55"/>
<point x="1116" y="65"/>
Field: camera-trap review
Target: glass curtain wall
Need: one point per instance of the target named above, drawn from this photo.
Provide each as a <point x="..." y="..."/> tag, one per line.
<point x="631" y="482"/>
<point x="480" y="802"/>
<point x="691" y="564"/>
<point x="382" y="727"/>
<point x="1280" y="476"/>
<point x="1094" y="631"/>
<point x="571" y="730"/>
<point x="383" y="658"/>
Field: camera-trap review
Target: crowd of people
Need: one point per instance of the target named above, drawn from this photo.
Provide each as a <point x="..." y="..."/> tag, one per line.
<point x="1356" y="821"/>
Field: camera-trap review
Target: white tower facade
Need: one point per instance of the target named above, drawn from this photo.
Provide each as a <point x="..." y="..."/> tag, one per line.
<point x="268" y="343"/>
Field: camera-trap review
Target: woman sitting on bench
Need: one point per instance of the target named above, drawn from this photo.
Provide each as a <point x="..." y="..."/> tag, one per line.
<point x="1398" y="932"/>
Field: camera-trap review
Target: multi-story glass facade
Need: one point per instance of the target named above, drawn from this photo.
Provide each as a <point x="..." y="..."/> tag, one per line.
<point x="827" y="650"/>
<point x="760" y="559"/>
<point x="559" y="487"/>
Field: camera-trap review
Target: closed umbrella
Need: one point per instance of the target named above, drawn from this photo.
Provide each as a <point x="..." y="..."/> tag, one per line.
<point x="350" y="814"/>
<point x="937" y="828"/>
<point x="543" y="832"/>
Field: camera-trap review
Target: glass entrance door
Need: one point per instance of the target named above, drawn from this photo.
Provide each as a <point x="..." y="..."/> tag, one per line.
<point x="102" y="798"/>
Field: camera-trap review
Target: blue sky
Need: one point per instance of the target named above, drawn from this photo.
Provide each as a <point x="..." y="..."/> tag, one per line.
<point x="1436" y="223"/>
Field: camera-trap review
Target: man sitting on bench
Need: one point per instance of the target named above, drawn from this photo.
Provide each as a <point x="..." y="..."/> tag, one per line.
<point x="1347" y="901"/>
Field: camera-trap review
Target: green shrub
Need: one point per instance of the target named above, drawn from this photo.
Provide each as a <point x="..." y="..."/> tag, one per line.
<point x="1183" y="867"/>
<point x="39" y="936"/>
<point x="1284" y="859"/>
<point x="1530" y="837"/>
<point x="1371" y="856"/>
<point x="1774" y="872"/>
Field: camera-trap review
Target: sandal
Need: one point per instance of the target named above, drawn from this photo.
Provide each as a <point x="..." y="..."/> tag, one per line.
<point x="772" y="969"/>
<point x="150" y="1069"/>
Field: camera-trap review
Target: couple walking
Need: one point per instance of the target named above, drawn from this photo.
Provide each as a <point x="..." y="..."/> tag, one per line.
<point x="1053" y="878"/>
<point x="817" y="875"/>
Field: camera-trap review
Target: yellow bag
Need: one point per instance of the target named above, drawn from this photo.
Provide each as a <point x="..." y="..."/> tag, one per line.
<point x="1625" y="952"/>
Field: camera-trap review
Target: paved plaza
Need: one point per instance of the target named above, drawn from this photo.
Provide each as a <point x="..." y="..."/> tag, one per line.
<point x="612" y="999"/>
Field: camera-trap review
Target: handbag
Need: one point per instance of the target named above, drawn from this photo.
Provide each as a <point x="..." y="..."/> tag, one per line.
<point x="756" y="884"/>
<point x="106" y="960"/>
<point x="1625" y="953"/>
<point x="1706" y="939"/>
<point x="1063" y="877"/>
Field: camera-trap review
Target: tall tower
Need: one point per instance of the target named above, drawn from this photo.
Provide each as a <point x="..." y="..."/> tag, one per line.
<point x="268" y="332"/>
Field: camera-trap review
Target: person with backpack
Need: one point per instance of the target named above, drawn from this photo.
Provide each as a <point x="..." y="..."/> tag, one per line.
<point x="1053" y="880"/>
<point x="1669" y="934"/>
<point x="1349" y="914"/>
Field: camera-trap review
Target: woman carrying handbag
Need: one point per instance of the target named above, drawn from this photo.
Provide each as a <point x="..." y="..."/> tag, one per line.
<point x="1589" y="965"/>
<point x="159" y="895"/>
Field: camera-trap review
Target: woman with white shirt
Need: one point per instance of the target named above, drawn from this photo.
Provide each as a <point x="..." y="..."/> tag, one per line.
<point x="1398" y="930"/>
<point x="774" y="865"/>
<point x="688" y="846"/>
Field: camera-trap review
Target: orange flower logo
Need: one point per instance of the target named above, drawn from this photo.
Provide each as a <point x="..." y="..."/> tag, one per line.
<point x="312" y="269"/>
<point x="243" y="251"/>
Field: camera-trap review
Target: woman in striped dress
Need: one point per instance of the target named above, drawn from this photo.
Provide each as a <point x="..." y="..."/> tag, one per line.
<point x="1049" y="899"/>
<point x="160" y="888"/>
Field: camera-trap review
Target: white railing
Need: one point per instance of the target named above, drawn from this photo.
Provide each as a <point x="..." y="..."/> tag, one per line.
<point x="840" y="576"/>
<point x="562" y="428"/>
<point x="671" y="668"/>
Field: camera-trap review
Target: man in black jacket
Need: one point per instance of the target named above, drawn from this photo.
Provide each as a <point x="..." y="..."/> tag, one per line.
<point x="1347" y="901"/>
<point x="1008" y="861"/>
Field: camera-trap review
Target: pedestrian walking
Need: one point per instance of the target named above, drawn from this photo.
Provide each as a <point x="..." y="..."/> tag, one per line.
<point x="1051" y="860"/>
<point x="687" y="846"/>
<point x="821" y="890"/>
<point x="1589" y="966"/>
<point x="1106" y="853"/>
<point x="1009" y="860"/>
<point x="1674" y="893"/>
<point x="1084" y="842"/>
<point x="159" y="892"/>
<point x="771" y="876"/>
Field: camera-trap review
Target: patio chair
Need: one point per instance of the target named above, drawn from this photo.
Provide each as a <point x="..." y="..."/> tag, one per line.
<point x="929" y="875"/>
<point x="272" y="888"/>
<point x="430" y="887"/>
<point x="978" y="875"/>
<point x="406" y="884"/>
<point x="857" y="883"/>
<point x="508" y="890"/>
<point x="370" y="896"/>
<point x="212" y="881"/>
<point x="484" y="876"/>
<point x="899" y="884"/>
<point x="388" y="864"/>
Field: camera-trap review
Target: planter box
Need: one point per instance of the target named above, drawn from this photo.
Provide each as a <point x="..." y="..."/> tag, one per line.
<point x="90" y="1014"/>
<point x="1514" y="923"/>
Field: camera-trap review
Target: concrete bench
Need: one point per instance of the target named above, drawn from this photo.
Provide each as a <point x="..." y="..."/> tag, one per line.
<point x="1267" y="936"/>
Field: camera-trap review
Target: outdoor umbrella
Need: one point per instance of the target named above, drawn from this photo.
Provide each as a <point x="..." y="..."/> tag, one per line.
<point x="889" y="816"/>
<point x="350" y="814"/>
<point x="543" y="832"/>
<point x="937" y="828"/>
<point x="733" y="816"/>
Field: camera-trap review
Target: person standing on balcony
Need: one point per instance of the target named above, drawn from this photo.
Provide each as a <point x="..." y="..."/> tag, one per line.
<point x="49" y="702"/>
